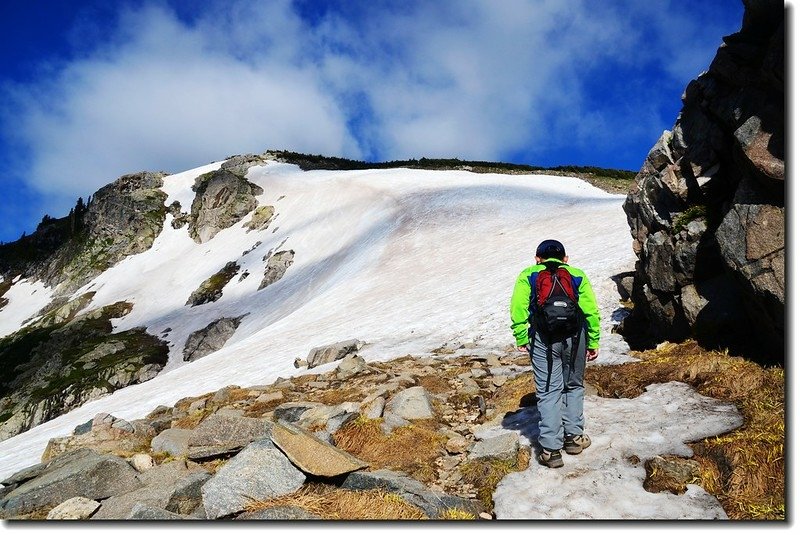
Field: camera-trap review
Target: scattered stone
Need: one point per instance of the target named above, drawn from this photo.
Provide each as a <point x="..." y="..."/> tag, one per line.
<point x="259" y="472"/>
<point x="330" y="417"/>
<point x="78" y="508"/>
<point x="293" y="410"/>
<point x="671" y="474"/>
<point x="300" y="363"/>
<point x="270" y="396"/>
<point x="457" y="445"/>
<point x="198" y="405"/>
<point x="142" y="462"/>
<point x="159" y="484"/>
<point x="503" y="447"/>
<point x="499" y="380"/>
<point x="279" y="513"/>
<point x="350" y="365"/>
<point x="174" y="441"/>
<point x="312" y="455"/>
<point x="187" y="497"/>
<point x="411" y="404"/>
<point x="210" y="290"/>
<point x="374" y="409"/>
<point x="143" y="511"/>
<point x="392" y="421"/>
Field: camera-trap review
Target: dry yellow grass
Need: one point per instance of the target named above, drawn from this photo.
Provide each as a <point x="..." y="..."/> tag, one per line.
<point x="331" y="503"/>
<point x="410" y="449"/>
<point x="515" y="393"/>
<point x="744" y="469"/>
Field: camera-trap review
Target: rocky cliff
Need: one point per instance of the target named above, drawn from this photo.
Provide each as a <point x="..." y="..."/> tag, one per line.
<point x="707" y="212"/>
<point x="121" y="219"/>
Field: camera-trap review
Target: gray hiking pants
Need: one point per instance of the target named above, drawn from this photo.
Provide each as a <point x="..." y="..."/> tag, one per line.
<point x="560" y="403"/>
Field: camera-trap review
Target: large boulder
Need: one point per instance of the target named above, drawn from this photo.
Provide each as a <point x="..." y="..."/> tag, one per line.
<point x="222" y="198"/>
<point x="83" y="473"/>
<point x="332" y="352"/>
<point x="258" y="472"/>
<point x="158" y="487"/>
<point x="411" y="404"/>
<point x="312" y="455"/>
<point x="220" y="435"/>
<point x="210" y="338"/>
<point x="709" y="203"/>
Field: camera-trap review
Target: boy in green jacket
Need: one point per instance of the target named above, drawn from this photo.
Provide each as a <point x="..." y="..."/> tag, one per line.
<point x="557" y="370"/>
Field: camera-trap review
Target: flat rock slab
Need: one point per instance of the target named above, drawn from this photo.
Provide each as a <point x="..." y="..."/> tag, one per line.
<point x="148" y="512"/>
<point x="332" y="352"/>
<point x="258" y="472"/>
<point x="279" y="513"/>
<point x="172" y="441"/>
<point x="503" y="447"/>
<point x="80" y="473"/>
<point x="220" y="434"/>
<point x="187" y="497"/>
<point x="313" y="455"/>
<point x="434" y="504"/>
<point x="78" y="508"/>
<point x="411" y="404"/>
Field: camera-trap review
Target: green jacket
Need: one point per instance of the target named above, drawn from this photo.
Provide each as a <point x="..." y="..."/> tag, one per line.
<point x="520" y="303"/>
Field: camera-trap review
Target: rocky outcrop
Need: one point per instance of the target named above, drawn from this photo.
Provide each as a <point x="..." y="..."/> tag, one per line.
<point x="277" y="264"/>
<point x="222" y="198"/>
<point x="210" y="338"/>
<point x="708" y="212"/>
<point x="331" y="353"/>
<point x="120" y="219"/>
<point x="210" y="289"/>
<point x="261" y="219"/>
<point x="62" y="362"/>
<point x="79" y="473"/>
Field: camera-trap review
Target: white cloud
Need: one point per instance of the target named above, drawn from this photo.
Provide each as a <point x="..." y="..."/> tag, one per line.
<point x="473" y="79"/>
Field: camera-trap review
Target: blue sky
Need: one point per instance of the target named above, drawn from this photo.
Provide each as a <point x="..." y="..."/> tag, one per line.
<point x="91" y="89"/>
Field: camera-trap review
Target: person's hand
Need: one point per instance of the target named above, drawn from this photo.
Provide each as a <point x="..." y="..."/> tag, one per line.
<point x="591" y="354"/>
<point x="522" y="349"/>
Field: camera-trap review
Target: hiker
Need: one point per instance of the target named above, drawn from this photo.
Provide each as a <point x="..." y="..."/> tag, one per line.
<point x="554" y="318"/>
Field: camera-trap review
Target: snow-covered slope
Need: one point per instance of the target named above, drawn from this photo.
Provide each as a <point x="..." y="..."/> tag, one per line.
<point x="406" y="260"/>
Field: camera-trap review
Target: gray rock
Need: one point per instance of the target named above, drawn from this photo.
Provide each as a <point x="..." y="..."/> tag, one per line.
<point x="24" y="475"/>
<point x="709" y="203"/>
<point x="210" y="290"/>
<point x="142" y="462"/>
<point x="311" y="454"/>
<point x="222" y="198"/>
<point x="78" y="508"/>
<point x="374" y="409"/>
<point x="258" y="472"/>
<point x="431" y="502"/>
<point x="143" y="511"/>
<point x="392" y="421"/>
<point x="219" y="435"/>
<point x="279" y="513"/>
<point x="277" y="264"/>
<point x="332" y="352"/>
<point x="173" y="441"/>
<point x="187" y="497"/>
<point x="210" y="338"/>
<point x="79" y="473"/>
<point x="411" y="404"/>
<point x="158" y="485"/>
<point x="292" y="411"/>
<point x="502" y="447"/>
<point x="331" y="417"/>
<point x="349" y="366"/>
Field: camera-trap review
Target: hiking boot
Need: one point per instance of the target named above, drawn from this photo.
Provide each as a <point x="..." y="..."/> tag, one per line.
<point x="574" y="444"/>
<point x="551" y="458"/>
